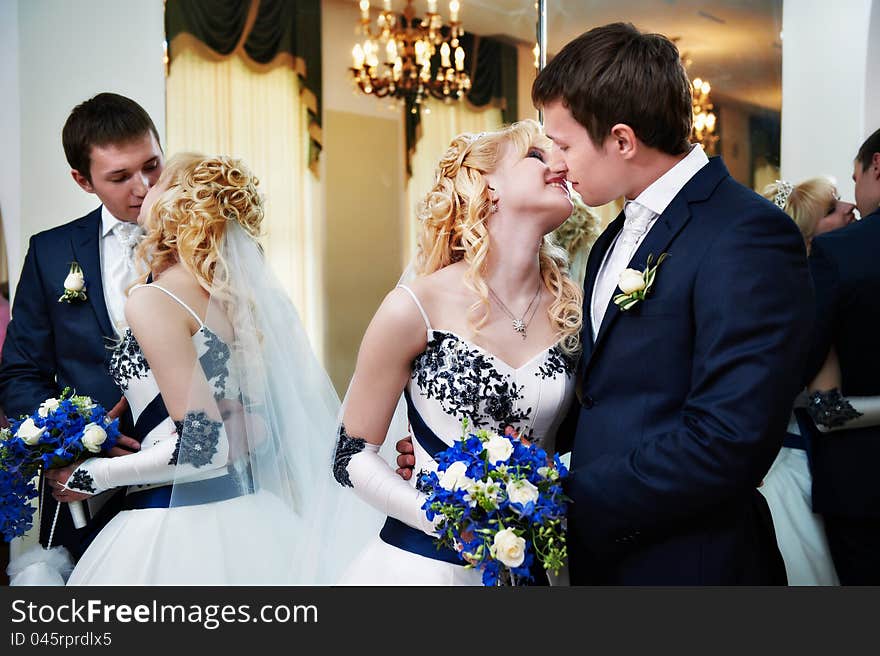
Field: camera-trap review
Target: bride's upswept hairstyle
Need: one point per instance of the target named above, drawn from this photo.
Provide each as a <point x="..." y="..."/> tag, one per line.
<point x="188" y="221"/>
<point x="453" y="217"/>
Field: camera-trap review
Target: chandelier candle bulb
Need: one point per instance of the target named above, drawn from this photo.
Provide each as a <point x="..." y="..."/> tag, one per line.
<point x="459" y="58"/>
<point x="432" y="6"/>
<point x="454" y="6"/>
<point x="357" y="54"/>
<point x="365" y="9"/>
<point x="444" y="55"/>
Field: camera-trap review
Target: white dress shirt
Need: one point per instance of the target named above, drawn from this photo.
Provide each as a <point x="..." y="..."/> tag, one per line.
<point x="641" y="215"/>
<point x="117" y="264"/>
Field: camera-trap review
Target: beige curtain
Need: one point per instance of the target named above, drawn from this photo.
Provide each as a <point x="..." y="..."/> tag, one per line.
<point x="438" y="127"/>
<point x="225" y="107"/>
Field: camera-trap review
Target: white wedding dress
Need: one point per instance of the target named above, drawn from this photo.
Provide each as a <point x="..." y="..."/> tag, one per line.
<point x="800" y="533"/>
<point x="227" y="541"/>
<point x="451" y="380"/>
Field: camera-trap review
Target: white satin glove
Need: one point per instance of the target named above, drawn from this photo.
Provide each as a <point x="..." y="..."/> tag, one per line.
<point x="358" y="464"/>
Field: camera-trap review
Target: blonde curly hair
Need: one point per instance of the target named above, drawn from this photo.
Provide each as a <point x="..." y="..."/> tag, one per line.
<point x="453" y="217"/>
<point x="188" y="221"/>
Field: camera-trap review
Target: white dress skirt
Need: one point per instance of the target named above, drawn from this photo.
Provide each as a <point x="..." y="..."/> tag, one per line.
<point x="800" y="532"/>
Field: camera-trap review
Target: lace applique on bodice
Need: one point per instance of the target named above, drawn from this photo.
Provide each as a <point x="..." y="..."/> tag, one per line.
<point x="455" y="379"/>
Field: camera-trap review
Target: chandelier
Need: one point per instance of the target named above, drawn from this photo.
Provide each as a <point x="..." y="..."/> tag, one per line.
<point x="704" y="118"/>
<point x="421" y="57"/>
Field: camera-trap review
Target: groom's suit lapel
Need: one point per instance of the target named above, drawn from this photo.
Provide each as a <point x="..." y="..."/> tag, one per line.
<point x="657" y="241"/>
<point x="594" y="263"/>
<point x="84" y="242"/>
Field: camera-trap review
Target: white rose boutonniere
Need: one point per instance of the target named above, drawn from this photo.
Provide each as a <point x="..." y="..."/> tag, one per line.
<point x="74" y="285"/>
<point x="635" y="285"/>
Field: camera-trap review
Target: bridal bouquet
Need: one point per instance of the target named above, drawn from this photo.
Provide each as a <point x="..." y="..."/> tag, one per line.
<point x="501" y="505"/>
<point x="59" y="433"/>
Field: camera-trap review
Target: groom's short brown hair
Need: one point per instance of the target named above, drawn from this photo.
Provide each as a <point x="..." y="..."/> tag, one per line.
<point x="617" y="74"/>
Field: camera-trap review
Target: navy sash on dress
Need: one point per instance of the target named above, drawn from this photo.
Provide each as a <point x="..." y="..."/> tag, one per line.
<point x="210" y="490"/>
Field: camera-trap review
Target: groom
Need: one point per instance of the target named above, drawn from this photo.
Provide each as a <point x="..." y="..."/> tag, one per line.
<point x="683" y="398"/>
<point x="113" y="150"/>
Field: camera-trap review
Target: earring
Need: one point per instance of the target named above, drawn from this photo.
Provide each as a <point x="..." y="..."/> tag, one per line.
<point x="494" y="201"/>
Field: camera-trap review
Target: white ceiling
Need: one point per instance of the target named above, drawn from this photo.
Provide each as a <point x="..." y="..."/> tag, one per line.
<point x="735" y="44"/>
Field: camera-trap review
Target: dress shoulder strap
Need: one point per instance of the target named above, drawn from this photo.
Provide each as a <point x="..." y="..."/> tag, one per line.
<point x="180" y="302"/>
<point x="418" y="305"/>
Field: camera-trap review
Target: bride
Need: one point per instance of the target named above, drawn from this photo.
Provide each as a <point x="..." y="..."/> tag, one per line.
<point x="487" y="331"/>
<point x="228" y="399"/>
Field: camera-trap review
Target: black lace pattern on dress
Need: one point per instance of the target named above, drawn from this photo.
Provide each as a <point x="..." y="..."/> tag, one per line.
<point x="831" y="409"/>
<point x="346" y="448"/>
<point x="466" y="384"/>
<point x="202" y="435"/>
<point x="557" y="362"/>
<point x="215" y="362"/>
<point x="127" y="361"/>
<point x="82" y="481"/>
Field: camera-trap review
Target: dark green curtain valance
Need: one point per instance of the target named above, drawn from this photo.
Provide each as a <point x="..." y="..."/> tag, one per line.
<point x="291" y="27"/>
<point x="493" y="71"/>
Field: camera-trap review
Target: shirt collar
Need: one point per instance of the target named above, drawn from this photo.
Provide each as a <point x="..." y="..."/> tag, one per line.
<point x="660" y="193"/>
<point x="108" y="221"/>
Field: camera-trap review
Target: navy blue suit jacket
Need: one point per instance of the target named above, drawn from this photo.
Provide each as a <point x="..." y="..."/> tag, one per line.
<point x="847" y="282"/>
<point x="52" y="345"/>
<point x="683" y="400"/>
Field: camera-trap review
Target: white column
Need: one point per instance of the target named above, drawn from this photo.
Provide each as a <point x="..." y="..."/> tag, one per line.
<point x="824" y="65"/>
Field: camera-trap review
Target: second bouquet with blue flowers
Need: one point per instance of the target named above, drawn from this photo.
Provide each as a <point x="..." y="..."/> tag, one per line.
<point x="500" y="505"/>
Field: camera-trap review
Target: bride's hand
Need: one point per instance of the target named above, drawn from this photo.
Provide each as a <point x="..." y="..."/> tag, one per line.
<point x="57" y="478"/>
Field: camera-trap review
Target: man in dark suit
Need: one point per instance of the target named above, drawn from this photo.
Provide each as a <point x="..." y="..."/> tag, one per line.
<point x="684" y="386"/>
<point x="846" y="491"/>
<point x="113" y="150"/>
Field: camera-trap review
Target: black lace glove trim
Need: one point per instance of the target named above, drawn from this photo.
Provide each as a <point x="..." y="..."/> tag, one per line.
<point x="346" y="448"/>
<point x="81" y="481"/>
<point x="831" y="409"/>
<point x="202" y="437"/>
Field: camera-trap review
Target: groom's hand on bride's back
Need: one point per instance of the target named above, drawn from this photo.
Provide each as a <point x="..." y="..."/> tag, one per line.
<point x="406" y="458"/>
<point x="125" y="445"/>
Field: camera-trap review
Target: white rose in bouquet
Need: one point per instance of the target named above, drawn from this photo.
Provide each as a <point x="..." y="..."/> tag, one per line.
<point x="47" y="406"/>
<point x="522" y="492"/>
<point x="455" y="477"/>
<point x="499" y="448"/>
<point x="93" y="437"/>
<point x="29" y="432"/>
<point x="509" y="548"/>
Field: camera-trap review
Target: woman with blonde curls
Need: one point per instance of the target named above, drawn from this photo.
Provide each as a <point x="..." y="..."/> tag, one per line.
<point x="815" y="206"/>
<point x="227" y="398"/>
<point x="487" y="331"/>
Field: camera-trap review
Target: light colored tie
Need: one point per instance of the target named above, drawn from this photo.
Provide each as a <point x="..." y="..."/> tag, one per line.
<point x="129" y="236"/>
<point x="635" y="225"/>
